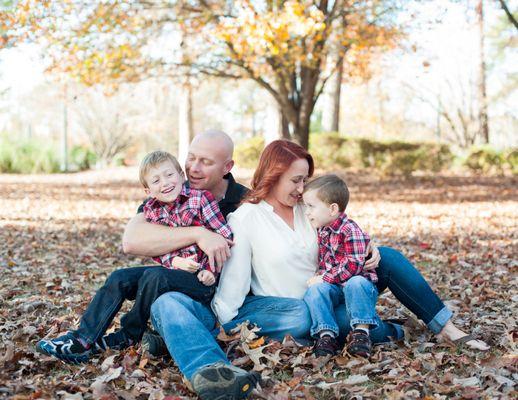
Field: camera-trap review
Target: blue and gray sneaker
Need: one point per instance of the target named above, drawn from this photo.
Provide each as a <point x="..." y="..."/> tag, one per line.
<point x="68" y="348"/>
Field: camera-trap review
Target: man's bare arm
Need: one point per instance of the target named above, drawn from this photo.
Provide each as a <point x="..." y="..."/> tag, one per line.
<point x="146" y="239"/>
<point x="143" y="238"/>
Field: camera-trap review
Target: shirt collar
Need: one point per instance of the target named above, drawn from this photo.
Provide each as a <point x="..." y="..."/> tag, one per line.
<point x="233" y="194"/>
<point x="186" y="189"/>
<point x="336" y="225"/>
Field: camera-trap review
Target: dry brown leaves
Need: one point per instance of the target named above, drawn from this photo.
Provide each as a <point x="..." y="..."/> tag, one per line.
<point x="61" y="238"/>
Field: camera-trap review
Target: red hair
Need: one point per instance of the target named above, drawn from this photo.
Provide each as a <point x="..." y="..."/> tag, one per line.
<point x="275" y="159"/>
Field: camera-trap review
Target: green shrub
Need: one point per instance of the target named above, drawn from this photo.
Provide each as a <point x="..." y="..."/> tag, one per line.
<point x="5" y="157"/>
<point x="330" y="150"/>
<point x="82" y="157"/>
<point x="246" y="153"/>
<point x="485" y="159"/>
<point x="27" y="156"/>
<point x="511" y="160"/>
<point x="399" y="157"/>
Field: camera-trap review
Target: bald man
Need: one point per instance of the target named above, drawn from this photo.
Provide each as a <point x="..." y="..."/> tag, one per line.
<point x="207" y="167"/>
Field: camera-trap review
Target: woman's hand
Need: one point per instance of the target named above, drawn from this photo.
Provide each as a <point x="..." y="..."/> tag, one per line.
<point x="206" y="277"/>
<point x="374" y="259"/>
<point x="186" y="264"/>
<point x="314" y="280"/>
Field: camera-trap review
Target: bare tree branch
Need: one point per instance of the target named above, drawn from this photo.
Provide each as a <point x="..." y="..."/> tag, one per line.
<point x="509" y="14"/>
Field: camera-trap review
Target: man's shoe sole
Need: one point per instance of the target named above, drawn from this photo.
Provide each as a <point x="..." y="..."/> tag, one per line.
<point x="240" y="388"/>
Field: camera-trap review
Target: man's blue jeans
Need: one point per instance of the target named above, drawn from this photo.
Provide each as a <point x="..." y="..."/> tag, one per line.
<point x="188" y="327"/>
<point x="359" y="295"/>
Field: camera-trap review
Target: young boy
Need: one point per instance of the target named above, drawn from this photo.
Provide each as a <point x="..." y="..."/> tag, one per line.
<point x="172" y="202"/>
<point x="340" y="275"/>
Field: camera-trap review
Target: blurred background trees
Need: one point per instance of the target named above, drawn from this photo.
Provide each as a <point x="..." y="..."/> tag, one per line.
<point x="143" y="74"/>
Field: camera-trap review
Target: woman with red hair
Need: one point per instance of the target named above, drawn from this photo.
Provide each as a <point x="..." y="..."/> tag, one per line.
<point x="275" y="252"/>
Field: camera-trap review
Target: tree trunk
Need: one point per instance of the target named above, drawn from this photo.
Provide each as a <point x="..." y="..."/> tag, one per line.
<point x="285" y="126"/>
<point x="301" y="129"/>
<point x="482" y="95"/>
<point x="185" y="130"/>
<point x="331" y="112"/>
<point x="64" y="136"/>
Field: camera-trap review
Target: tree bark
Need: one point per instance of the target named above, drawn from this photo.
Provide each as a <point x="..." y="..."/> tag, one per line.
<point x="64" y="136"/>
<point x="285" y="126"/>
<point x="331" y="112"/>
<point x="185" y="129"/>
<point x="482" y="94"/>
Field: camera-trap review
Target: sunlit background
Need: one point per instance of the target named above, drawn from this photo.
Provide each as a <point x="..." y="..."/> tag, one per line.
<point x="425" y="87"/>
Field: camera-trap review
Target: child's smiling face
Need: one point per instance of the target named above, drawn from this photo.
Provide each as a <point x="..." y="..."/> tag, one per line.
<point x="319" y="212"/>
<point x="164" y="182"/>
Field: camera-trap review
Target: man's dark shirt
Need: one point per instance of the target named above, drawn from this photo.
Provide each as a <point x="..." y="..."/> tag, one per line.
<point x="233" y="196"/>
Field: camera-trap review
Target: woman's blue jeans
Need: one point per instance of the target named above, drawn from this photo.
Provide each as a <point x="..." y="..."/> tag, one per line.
<point x="188" y="327"/>
<point x="398" y="274"/>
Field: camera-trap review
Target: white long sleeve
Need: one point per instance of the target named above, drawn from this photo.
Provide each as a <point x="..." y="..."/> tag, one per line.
<point x="268" y="257"/>
<point x="235" y="278"/>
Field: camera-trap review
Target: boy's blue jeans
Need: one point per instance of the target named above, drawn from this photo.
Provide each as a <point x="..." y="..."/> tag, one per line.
<point x="142" y="284"/>
<point x="358" y="293"/>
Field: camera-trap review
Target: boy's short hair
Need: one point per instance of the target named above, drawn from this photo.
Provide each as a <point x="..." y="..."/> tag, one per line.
<point x="152" y="160"/>
<point x="330" y="189"/>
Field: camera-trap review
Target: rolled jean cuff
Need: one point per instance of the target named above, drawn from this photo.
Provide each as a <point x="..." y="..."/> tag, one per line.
<point x="439" y="321"/>
<point x="366" y="321"/>
<point x="323" y="327"/>
<point x="398" y="330"/>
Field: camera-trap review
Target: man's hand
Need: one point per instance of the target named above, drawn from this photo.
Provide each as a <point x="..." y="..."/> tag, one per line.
<point x="216" y="247"/>
<point x="186" y="264"/>
<point x="314" y="280"/>
<point x="206" y="277"/>
<point x="375" y="258"/>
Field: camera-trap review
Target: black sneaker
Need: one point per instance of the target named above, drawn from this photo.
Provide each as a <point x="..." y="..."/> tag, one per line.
<point x="325" y="346"/>
<point x="154" y="344"/>
<point x="67" y="348"/>
<point x="221" y="381"/>
<point x="117" y="340"/>
<point x="359" y="343"/>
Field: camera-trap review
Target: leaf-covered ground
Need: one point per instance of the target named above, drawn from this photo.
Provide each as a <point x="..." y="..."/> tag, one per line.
<point x="60" y="237"/>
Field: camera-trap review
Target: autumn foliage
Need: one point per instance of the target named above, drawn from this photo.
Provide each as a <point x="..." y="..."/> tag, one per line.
<point x="289" y="48"/>
<point x="61" y="237"/>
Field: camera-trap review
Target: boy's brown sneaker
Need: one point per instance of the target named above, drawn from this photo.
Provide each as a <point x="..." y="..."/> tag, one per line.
<point x="325" y="346"/>
<point x="359" y="343"/>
